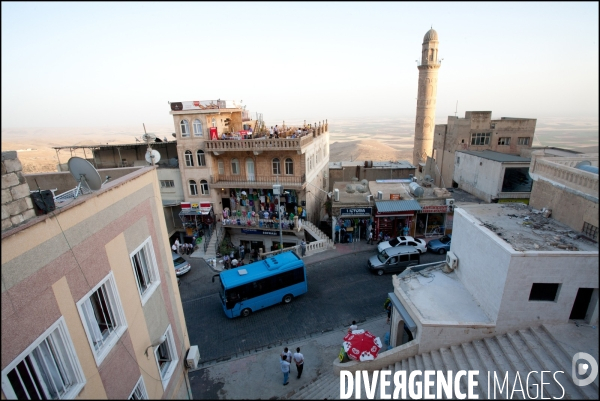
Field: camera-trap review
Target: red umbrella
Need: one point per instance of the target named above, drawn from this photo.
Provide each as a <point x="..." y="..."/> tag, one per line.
<point x="361" y="345"/>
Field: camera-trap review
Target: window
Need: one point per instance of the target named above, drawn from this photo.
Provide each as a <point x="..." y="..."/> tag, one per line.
<point x="193" y="187"/>
<point x="145" y="269"/>
<point x="235" y="166"/>
<point x="139" y="391"/>
<point x="167" y="183"/>
<point x="458" y="160"/>
<point x="47" y="369"/>
<point x="103" y="318"/>
<point x="204" y="187"/>
<point x="543" y="292"/>
<point x="185" y="128"/>
<point x="197" y="128"/>
<point x="214" y="122"/>
<point x="201" y="160"/>
<point x="166" y="357"/>
<point x="289" y="166"/>
<point x="504" y="141"/>
<point x="590" y="231"/>
<point x="480" y="138"/>
<point x="221" y="167"/>
<point x="189" y="160"/>
<point x="523" y="141"/>
<point x="276" y="166"/>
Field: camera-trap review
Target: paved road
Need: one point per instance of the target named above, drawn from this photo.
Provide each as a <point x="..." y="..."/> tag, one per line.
<point x="339" y="290"/>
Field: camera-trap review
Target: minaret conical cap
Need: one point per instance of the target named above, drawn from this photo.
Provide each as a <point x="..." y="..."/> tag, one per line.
<point x="430" y="35"/>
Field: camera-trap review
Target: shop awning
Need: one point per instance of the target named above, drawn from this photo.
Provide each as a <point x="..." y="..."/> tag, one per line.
<point x="394" y="206"/>
<point x="410" y="323"/>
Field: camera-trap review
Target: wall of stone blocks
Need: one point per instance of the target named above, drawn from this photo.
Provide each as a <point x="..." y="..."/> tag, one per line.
<point x="16" y="200"/>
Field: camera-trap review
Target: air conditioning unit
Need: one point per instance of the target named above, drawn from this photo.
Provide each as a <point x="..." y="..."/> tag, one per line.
<point x="450" y="202"/>
<point x="451" y="260"/>
<point x="336" y="195"/>
<point x="379" y="195"/>
<point x="193" y="357"/>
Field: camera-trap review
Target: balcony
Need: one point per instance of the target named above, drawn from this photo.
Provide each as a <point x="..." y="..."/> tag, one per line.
<point x="240" y="181"/>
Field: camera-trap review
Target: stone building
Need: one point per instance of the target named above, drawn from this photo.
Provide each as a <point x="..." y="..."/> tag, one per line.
<point x="90" y="303"/>
<point x="369" y="170"/>
<point x="16" y="201"/>
<point x="476" y="132"/>
<point x="426" y="98"/>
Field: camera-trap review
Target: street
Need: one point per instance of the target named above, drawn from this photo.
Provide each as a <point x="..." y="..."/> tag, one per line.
<point x="339" y="290"/>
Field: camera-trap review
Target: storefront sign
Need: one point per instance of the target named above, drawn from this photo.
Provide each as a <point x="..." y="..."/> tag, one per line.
<point x="259" y="232"/>
<point x="395" y="197"/>
<point x="434" y="209"/>
<point x="359" y="211"/>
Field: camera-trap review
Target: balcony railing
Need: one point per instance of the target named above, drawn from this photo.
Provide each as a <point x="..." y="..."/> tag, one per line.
<point x="257" y="181"/>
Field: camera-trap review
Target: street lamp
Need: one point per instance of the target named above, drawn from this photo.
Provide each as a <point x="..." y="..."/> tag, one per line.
<point x="277" y="190"/>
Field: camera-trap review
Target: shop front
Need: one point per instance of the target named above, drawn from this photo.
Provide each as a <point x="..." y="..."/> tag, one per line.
<point x="434" y="220"/>
<point x="262" y="240"/>
<point x="253" y="202"/>
<point x="396" y="217"/>
<point x="198" y="220"/>
<point x="352" y="223"/>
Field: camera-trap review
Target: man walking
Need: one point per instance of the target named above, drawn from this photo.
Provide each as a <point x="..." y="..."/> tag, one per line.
<point x="303" y="247"/>
<point x="370" y="238"/>
<point x="285" y="368"/>
<point x="299" y="359"/>
<point x="242" y="251"/>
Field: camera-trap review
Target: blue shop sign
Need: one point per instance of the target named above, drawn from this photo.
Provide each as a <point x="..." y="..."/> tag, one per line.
<point x="356" y="211"/>
<point x="260" y="232"/>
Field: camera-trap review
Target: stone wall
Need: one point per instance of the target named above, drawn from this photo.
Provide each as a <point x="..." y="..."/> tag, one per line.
<point x="16" y="200"/>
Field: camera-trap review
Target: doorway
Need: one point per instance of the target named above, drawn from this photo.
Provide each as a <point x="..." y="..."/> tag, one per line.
<point x="582" y="302"/>
<point x="250" y="169"/>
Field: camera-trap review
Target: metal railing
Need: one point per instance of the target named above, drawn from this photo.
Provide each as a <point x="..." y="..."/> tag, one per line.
<point x="207" y="234"/>
<point x="220" y="235"/>
<point x="257" y="180"/>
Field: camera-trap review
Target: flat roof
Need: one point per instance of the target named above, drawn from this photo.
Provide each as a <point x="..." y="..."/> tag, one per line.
<point x="442" y="297"/>
<point x="526" y="229"/>
<point x="496" y="156"/>
<point x="374" y="164"/>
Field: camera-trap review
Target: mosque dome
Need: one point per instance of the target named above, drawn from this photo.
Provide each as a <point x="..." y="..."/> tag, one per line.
<point x="430" y="35"/>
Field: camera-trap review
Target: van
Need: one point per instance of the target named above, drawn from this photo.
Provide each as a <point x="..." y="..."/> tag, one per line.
<point x="181" y="265"/>
<point x="394" y="260"/>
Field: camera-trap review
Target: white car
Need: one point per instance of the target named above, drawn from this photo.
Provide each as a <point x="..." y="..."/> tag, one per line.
<point x="401" y="241"/>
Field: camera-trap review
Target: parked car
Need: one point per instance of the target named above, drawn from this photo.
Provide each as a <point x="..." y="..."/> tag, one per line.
<point x="182" y="266"/>
<point x="402" y="241"/>
<point x="441" y="245"/>
<point x="394" y="260"/>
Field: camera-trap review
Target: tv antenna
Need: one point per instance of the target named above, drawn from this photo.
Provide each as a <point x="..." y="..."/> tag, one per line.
<point x="152" y="156"/>
<point x="456" y="111"/>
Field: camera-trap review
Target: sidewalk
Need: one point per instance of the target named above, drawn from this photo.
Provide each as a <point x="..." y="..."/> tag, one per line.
<point x="258" y="375"/>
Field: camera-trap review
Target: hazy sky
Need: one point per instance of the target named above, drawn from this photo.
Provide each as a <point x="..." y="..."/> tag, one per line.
<point x="106" y="64"/>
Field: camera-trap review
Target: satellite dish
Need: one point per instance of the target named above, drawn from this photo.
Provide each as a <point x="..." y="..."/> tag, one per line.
<point x="152" y="156"/>
<point x="84" y="173"/>
<point x="148" y="138"/>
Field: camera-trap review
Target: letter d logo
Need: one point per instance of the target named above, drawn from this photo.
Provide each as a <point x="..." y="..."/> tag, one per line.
<point x="582" y="368"/>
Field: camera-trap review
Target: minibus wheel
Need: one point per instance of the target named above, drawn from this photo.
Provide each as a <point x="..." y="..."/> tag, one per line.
<point x="287" y="299"/>
<point x="246" y="312"/>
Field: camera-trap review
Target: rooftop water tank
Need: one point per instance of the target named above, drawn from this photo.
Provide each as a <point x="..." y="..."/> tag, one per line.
<point x="416" y="189"/>
<point x="587" y="166"/>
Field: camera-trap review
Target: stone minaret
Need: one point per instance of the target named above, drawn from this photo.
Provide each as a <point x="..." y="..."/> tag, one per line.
<point x="425" y="122"/>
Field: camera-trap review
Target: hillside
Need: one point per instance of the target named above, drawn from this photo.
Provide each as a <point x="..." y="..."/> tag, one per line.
<point x="364" y="149"/>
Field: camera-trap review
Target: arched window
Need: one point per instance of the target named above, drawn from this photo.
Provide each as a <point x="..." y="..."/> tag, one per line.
<point x="289" y="166"/>
<point x="235" y="166"/>
<point x="221" y="167"/>
<point x="204" y="187"/>
<point x="193" y="187"/>
<point x="185" y="128"/>
<point x="214" y="122"/>
<point x="189" y="159"/>
<point x="197" y="128"/>
<point x="201" y="159"/>
<point x="276" y="167"/>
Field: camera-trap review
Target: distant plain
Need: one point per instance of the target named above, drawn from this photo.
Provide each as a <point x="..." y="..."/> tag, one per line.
<point x="376" y="139"/>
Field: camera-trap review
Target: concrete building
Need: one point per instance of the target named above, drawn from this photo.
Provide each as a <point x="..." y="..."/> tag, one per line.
<point x="476" y="132"/>
<point x="492" y="176"/>
<point x="90" y="303"/>
<point x="368" y="170"/>
<point x="567" y="185"/>
<point x="426" y="98"/>
<point x="509" y="317"/>
<point x="230" y="162"/>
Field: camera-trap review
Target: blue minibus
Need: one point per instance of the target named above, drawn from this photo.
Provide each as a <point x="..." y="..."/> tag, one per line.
<point x="258" y="285"/>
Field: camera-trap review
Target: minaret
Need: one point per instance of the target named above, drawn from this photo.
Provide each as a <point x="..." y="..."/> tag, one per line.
<point x="425" y="122"/>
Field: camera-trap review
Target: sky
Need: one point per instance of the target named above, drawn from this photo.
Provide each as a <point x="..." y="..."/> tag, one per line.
<point x="100" y="64"/>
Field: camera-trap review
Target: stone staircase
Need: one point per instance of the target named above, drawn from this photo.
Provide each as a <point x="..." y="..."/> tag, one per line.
<point x="210" y="251"/>
<point x="523" y="351"/>
<point x="318" y="234"/>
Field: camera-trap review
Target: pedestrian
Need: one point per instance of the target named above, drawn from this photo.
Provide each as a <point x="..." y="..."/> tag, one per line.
<point x="190" y="249"/>
<point x="352" y="327"/>
<point x="174" y="248"/>
<point x="234" y="263"/>
<point x="303" y="214"/>
<point x="380" y="237"/>
<point x="303" y="247"/>
<point x="177" y="245"/>
<point x="242" y="252"/>
<point x="389" y="311"/>
<point x="370" y="238"/>
<point x="226" y="262"/>
<point x="299" y="359"/>
<point x="288" y="354"/>
<point x="285" y="368"/>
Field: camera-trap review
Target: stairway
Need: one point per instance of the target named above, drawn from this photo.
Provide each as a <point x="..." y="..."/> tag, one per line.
<point x="317" y="233"/>
<point x="210" y="251"/>
<point x="523" y="351"/>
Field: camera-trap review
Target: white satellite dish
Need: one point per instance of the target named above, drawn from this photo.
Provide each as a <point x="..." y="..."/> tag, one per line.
<point x="84" y="173"/>
<point x="148" y="138"/>
<point x="152" y="156"/>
